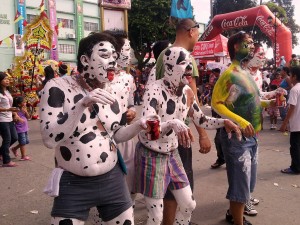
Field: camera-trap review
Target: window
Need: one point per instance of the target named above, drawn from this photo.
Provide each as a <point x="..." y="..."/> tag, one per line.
<point x="88" y="26"/>
<point x="66" y="23"/>
<point x="67" y="49"/>
<point x="30" y="18"/>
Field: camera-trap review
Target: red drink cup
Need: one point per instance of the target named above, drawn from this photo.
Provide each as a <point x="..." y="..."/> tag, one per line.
<point x="279" y="103"/>
<point x="153" y="134"/>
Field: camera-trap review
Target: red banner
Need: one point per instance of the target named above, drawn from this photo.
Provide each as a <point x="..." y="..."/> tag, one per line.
<point x="204" y="49"/>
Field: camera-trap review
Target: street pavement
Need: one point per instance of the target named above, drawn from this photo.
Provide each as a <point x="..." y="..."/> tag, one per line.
<point x="23" y="201"/>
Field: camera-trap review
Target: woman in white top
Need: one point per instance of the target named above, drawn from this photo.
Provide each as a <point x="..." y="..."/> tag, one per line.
<point x="7" y="128"/>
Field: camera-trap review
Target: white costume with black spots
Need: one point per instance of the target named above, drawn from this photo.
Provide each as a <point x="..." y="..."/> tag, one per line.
<point x="172" y="100"/>
<point x="76" y="118"/>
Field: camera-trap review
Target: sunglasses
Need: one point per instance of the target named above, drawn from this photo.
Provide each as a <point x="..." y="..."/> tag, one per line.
<point x="197" y="25"/>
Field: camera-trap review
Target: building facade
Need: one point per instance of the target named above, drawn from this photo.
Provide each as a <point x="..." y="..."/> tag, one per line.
<point x="74" y="19"/>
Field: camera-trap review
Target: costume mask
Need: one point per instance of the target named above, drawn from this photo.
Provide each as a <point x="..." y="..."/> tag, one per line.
<point x="178" y="68"/>
<point x="124" y="58"/>
<point x="102" y="63"/>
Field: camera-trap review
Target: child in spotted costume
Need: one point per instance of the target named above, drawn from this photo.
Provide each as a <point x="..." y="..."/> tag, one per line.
<point x="79" y="114"/>
<point x="157" y="161"/>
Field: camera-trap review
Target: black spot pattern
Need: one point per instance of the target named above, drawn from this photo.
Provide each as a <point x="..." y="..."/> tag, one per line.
<point x="77" y="98"/>
<point x="95" y="111"/>
<point x="183" y="99"/>
<point x="195" y="106"/>
<point x="87" y="137"/>
<point x="103" y="156"/>
<point x="56" y="97"/>
<point x="114" y="125"/>
<point x="123" y="119"/>
<point x="153" y="103"/>
<point x="59" y="137"/>
<point x="61" y="118"/>
<point x="115" y="107"/>
<point x="66" y="222"/>
<point x="170" y="132"/>
<point x="170" y="107"/>
<point x="164" y="95"/>
<point x="202" y="119"/>
<point x="65" y="153"/>
<point x="181" y="57"/>
<point x="83" y="118"/>
<point x="76" y="133"/>
<point x="127" y="222"/>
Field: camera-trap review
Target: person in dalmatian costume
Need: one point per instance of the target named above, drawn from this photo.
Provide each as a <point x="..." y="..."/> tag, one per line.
<point x="80" y="118"/>
<point x="123" y="83"/>
<point x="157" y="161"/>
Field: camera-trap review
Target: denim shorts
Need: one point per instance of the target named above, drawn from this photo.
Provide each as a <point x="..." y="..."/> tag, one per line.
<point x="241" y="163"/>
<point x="23" y="138"/>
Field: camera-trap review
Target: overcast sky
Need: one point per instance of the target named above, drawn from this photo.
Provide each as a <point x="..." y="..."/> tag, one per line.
<point x="202" y="13"/>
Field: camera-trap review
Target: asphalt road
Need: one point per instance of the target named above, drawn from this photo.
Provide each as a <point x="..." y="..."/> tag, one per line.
<point x="23" y="202"/>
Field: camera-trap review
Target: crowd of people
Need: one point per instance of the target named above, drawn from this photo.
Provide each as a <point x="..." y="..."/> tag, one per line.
<point x="90" y="119"/>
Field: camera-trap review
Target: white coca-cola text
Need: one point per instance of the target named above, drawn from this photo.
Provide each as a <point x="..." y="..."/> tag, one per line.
<point x="235" y="23"/>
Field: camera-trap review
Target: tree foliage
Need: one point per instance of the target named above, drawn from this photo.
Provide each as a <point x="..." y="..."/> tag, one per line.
<point x="284" y="9"/>
<point x="148" y="21"/>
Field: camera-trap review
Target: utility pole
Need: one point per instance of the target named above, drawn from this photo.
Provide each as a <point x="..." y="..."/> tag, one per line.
<point x="211" y="9"/>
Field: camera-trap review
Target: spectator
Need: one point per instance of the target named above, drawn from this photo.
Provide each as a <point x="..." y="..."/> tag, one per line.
<point x="282" y="62"/>
<point x="21" y="123"/>
<point x="287" y="85"/>
<point x="7" y="128"/>
<point x="62" y="69"/>
<point x="294" y="61"/>
<point x="273" y="111"/>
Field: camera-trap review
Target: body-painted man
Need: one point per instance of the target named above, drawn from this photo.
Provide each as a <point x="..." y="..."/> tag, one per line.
<point x="237" y="97"/>
<point x="158" y="163"/>
<point x="80" y="118"/>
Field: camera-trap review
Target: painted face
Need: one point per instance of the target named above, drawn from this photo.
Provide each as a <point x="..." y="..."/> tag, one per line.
<point x="258" y="59"/>
<point x="124" y="59"/>
<point x="102" y="63"/>
<point x="178" y="67"/>
<point x="245" y="48"/>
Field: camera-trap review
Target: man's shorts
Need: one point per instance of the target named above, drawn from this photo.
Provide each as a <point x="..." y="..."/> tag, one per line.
<point x="186" y="158"/>
<point x="77" y="194"/>
<point x="23" y="138"/>
<point x="156" y="172"/>
<point x="241" y="165"/>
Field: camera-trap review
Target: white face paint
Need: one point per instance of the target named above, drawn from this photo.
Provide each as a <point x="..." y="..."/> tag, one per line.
<point x="124" y="59"/>
<point x="102" y="63"/>
<point x="258" y="59"/>
<point x="178" y="67"/>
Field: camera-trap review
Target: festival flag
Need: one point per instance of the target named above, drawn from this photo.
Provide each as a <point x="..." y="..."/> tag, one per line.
<point x="6" y="41"/>
<point x="12" y="37"/>
<point x="181" y="9"/>
<point x="25" y="23"/>
<point x="18" y="17"/>
<point x="59" y="25"/>
<point x="1" y="42"/>
<point x="42" y="6"/>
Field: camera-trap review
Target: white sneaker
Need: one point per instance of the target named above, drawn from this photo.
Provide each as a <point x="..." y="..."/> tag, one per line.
<point x="254" y="201"/>
<point x="249" y="210"/>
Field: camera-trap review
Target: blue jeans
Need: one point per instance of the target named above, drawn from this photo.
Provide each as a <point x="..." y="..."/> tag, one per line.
<point x="241" y="164"/>
<point x="9" y="137"/>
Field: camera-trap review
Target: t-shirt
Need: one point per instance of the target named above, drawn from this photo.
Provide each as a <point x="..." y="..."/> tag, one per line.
<point x="294" y="99"/>
<point x="6" y="101"/>
<point x="21" y="127"/>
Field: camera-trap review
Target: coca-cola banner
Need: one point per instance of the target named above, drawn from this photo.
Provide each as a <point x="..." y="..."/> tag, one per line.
<point x="257" y="16"/>
<point x="204" y="49"/>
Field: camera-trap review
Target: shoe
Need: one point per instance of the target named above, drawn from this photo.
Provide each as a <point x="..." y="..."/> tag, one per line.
<point x="229" y="219"/>
<point x="24" y="158"/>
<point x="254" y="201"/>
<point x="10" y="164"/>
<point x="272" y="127"/>
<point x="289" y="171"/>
<point x="249" y="210"/>
<point x="14" y="151"/>
<point x="216" y="165"/>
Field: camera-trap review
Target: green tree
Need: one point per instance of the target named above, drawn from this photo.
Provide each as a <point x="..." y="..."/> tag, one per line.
<point x="148" y="21"/>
